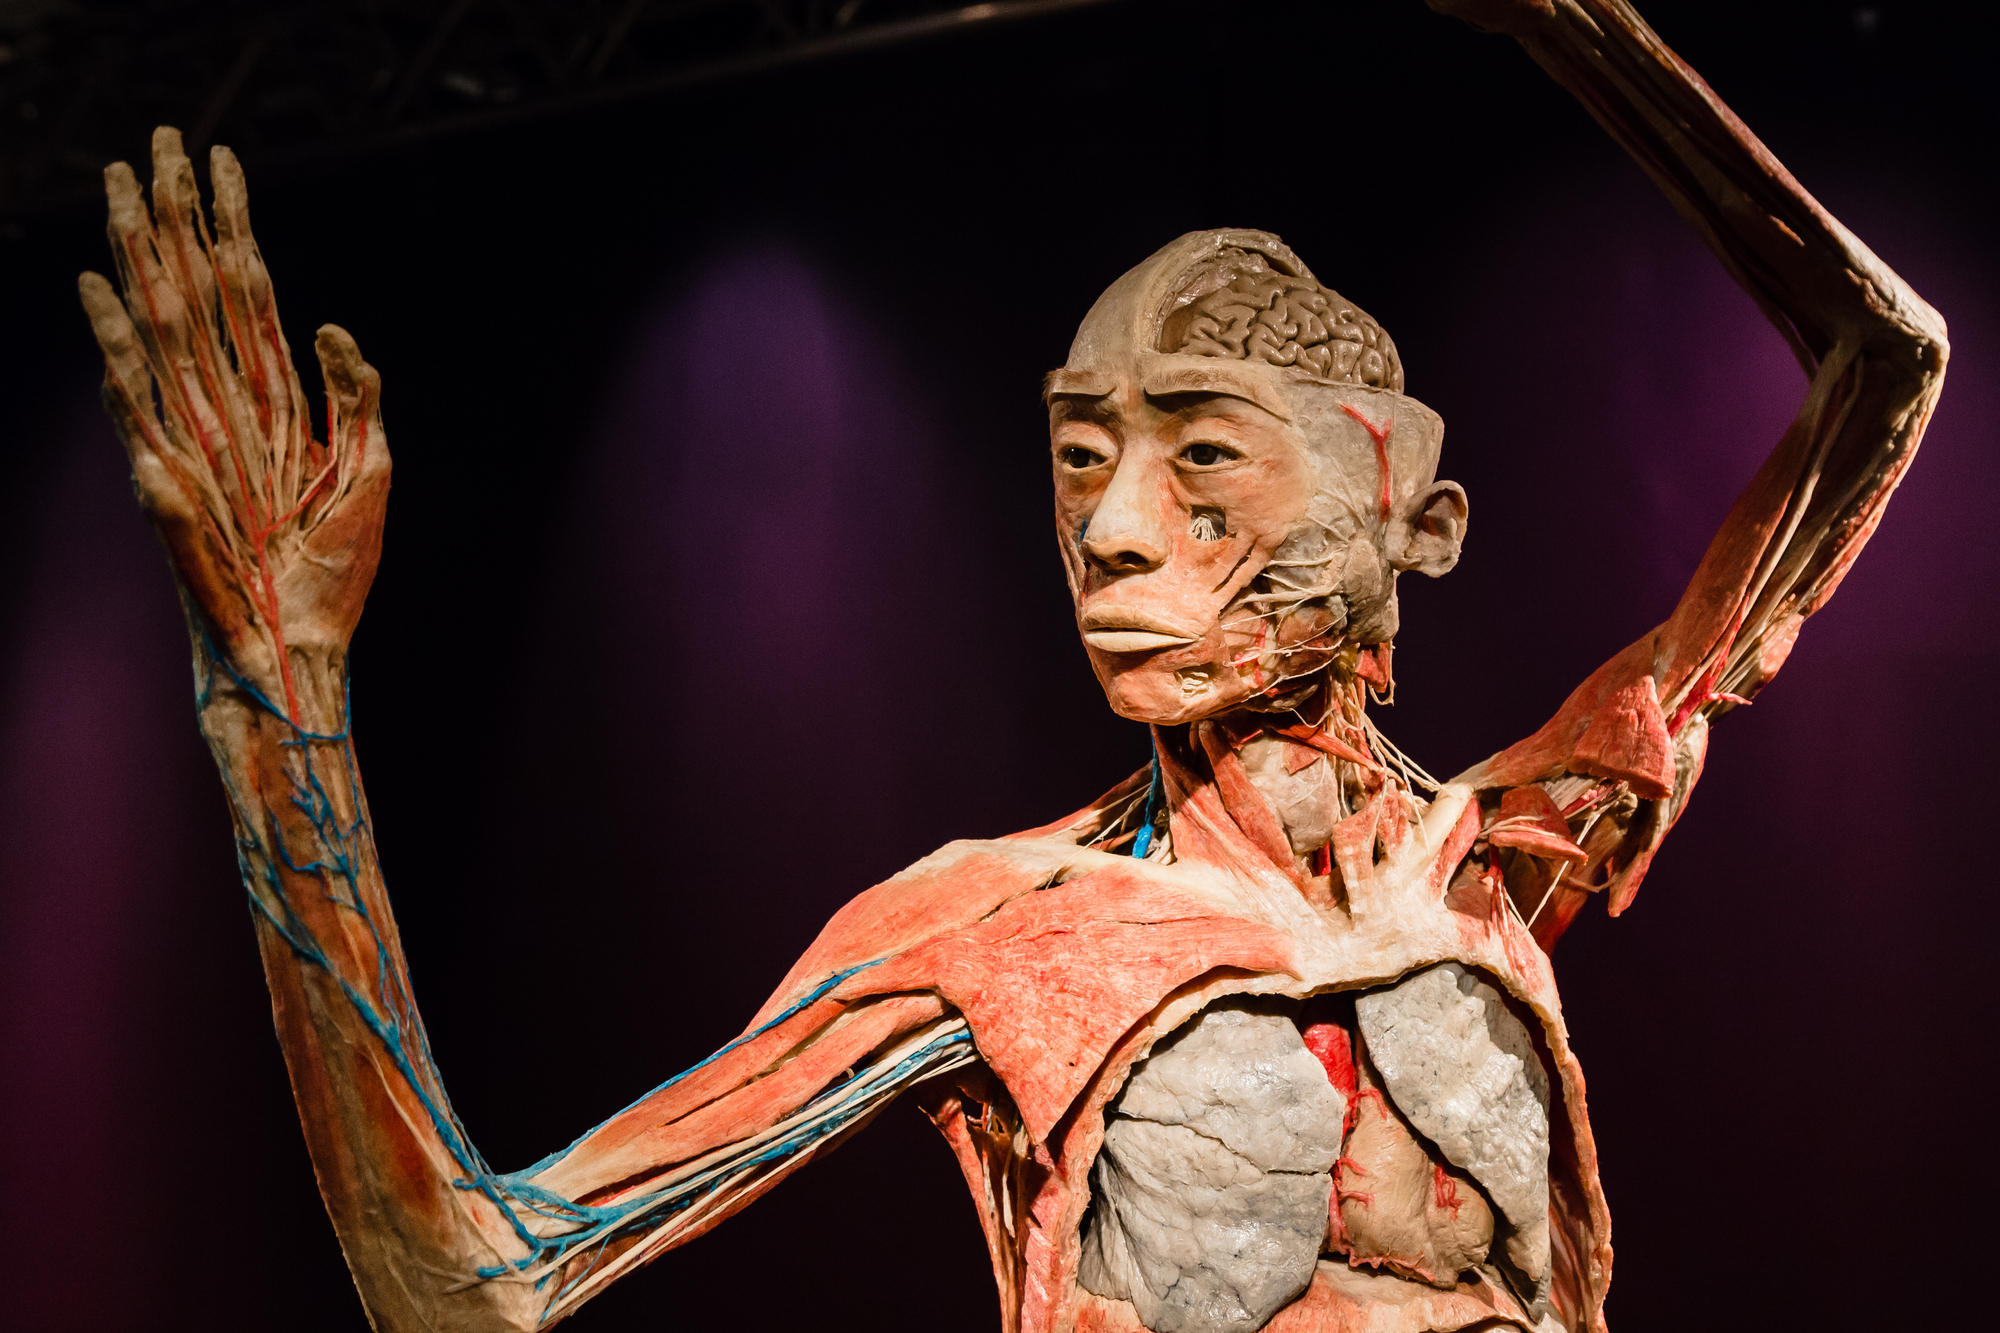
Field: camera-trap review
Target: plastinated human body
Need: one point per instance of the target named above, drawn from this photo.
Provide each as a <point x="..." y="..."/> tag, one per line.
<point x="1267" y="1036"/>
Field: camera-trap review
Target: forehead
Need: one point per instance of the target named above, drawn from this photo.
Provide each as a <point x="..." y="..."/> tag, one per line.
<point x="1166" y="384"/>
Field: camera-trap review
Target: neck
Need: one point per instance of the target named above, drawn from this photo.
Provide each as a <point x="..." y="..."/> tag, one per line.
<point x="1310" y="789"/>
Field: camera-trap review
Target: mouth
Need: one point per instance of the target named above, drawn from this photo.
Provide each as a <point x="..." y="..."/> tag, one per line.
<point x="1116" y="630"/>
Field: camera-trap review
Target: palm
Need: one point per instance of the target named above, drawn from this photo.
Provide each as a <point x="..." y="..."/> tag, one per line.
<point x="273" y="534"/>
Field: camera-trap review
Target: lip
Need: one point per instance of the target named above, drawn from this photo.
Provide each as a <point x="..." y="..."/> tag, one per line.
<point x="1123" y="630"/>
<point x="1132" y="640"/>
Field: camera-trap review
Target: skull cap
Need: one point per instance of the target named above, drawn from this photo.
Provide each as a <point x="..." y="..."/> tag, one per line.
<point x="1127" y="318"/>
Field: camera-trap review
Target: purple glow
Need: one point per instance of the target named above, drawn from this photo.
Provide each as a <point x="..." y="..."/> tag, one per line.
<point x="92" y="820"/>
<point x="754" y="538"/>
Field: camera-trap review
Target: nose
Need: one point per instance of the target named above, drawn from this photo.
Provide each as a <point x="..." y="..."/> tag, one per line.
<point x="1129" y="532"/>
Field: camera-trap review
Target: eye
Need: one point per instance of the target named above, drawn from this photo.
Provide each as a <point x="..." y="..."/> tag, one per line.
<point x="1076" y="458"/>
<point x="1207" y="455"/>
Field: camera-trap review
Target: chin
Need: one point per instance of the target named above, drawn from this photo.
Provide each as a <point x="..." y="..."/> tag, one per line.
<point x="1168" y="693"/>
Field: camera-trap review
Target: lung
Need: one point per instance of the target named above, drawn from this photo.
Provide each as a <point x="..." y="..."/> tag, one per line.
<point x="1210" y="1193"/>
<point x="1463" y="1070"/>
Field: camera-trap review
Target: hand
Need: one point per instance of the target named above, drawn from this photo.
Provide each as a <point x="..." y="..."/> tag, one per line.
<point x="273" y="535"/>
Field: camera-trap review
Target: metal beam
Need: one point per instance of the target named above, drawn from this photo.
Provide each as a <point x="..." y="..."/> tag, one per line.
<point x="83" y="86"/>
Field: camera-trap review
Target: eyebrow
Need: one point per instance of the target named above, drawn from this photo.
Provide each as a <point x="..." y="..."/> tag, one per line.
<point x="1220" y="381"/>
<point x="1091" y="409"/>
<point x="1066" y="383"/>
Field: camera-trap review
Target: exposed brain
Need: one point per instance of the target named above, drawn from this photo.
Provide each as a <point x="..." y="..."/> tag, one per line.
<point x="1238" y="306"/>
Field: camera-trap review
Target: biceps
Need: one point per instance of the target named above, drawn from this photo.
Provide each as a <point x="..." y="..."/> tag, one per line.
<point x="612" y="1204"/>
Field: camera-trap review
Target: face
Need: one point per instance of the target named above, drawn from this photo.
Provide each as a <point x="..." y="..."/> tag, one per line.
<point x="1170" y="500"/>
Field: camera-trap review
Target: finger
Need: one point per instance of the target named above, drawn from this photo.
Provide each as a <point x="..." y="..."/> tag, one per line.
<point x="167" y="490"/>
<point x="130" y="228"/>
<point x="160" y="317"/>
<point x="251" y="311"/>
<point x="354" y="403"/>
<point x="353" y="386"/>
<point x="177" y="218"/>
<point x="354" y="396"/>
<point x="346" y="530"/>
<point x="132" y="356"/>
<point x="125" y="369"/>
<point x="152" y="301"/>
<point x="182" y="242"/>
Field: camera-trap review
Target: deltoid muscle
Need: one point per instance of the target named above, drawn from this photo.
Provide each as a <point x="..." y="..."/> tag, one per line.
<point x="1265" y="1037"/>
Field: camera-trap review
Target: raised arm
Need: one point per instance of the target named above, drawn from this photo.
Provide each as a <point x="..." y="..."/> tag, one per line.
<point x="1620" y="757"/>
<point x="273" y="537"/>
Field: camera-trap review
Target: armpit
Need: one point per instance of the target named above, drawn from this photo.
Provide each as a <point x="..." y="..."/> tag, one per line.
<point x="1556" y="843"/>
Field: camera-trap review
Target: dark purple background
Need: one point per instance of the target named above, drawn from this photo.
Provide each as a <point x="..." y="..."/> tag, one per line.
<point x="719" y="585"/>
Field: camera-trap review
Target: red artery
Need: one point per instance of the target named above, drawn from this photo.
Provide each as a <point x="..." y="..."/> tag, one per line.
<point x="1379" y="434"/>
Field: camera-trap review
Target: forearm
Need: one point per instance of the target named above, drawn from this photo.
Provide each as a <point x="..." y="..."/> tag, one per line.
<point x="415" y="1208"/>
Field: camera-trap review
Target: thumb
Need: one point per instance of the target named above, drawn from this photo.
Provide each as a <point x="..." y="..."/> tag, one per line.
<point x="354" y="403"/>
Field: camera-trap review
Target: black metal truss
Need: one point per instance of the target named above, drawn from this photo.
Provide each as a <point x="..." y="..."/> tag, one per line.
<point x="82" y="84"/>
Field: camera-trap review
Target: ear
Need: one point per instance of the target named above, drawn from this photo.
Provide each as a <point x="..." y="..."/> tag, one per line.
<point x="1425" y="534"/>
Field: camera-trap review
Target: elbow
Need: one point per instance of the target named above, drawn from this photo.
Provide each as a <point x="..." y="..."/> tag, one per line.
<point x="1913" y="333"/>
<point x="1909" y="342"/>
<point x="1929" y="342"/>
<point x="1925" y="354"/>
<point x="1870" y="307"/>
<point x="1937" y="351"/>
